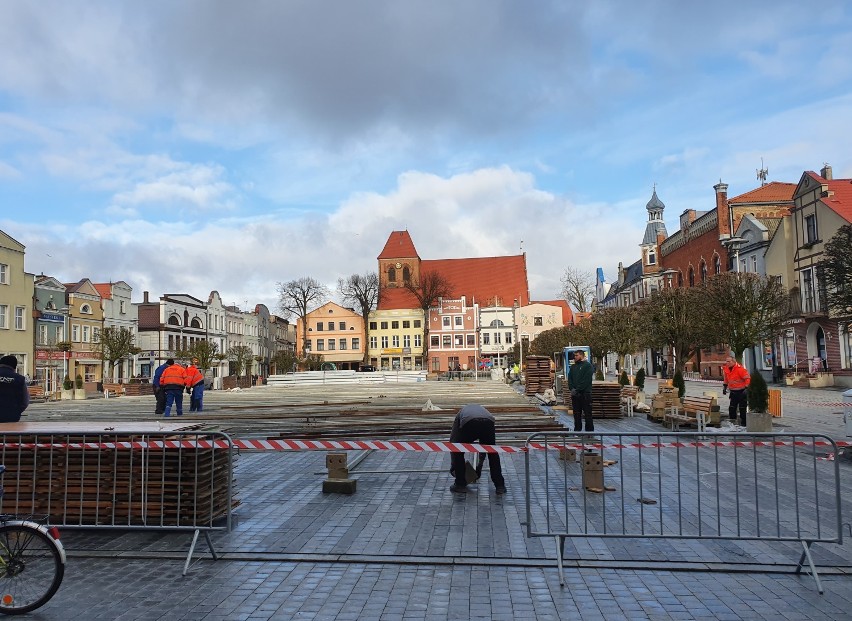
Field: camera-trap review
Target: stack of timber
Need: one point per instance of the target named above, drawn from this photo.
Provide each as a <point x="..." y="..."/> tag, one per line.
<point x="343" y="376"/>
<point x="88" y="486"/>
<point x="135" y="390"/>
<point x="606" y="400"/>
<point x="537" y="375"/>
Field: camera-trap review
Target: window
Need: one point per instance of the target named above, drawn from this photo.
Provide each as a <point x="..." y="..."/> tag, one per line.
<point x="374" y="343"/>
<point x="86" y="309"/>
<point x="538" y="320"/>
<point x="330" y="326"/>
<point x="436" y="363"/>
<point x="418" y="340"/>
<point x="447" y="340"/>
<point x="459" y="340"/>
<point x="384" y="325"/>
<point x="392" y="275"/>
<point x="652" y="257"/>
<point x="320" y="344"/>
<point x="406" y="324"/>
<point x="87" y="334"/>
<point x="394" y="325"/>
<point x="486" y="339"/>
<point x="122" y="307"/>
<point x="717" y="265"/>
<point x="373" y="325"/>
<point x="96" y="335"/>
<point x="4" y="274"/>
<point x="341" y="344"/>
<point x="680" y="279"/>
<point x="434" y="340"/>
<point x="754" y="263"/>
<point x="19" y="317"/>
<point x="42" y="335"/>
<point x="447" y="322"/>
<point x="331" y="344"/>
<point x="309" y="345"/>
<point x="384" y="342"/>
<point x="406" y="340"/>
<point x="319" y="326"/>
<point x="471" y="340"/>
<point x="341" y="325"/>
<point x="60" y="333"/>
<point x="416" y="323"/>
<point x="395" y="340"/>
<point x="703" y="272"/>
<point x="810" y="229"/>
<point x="459" y="321"/>
<point x="406" y="274"/>
<point x="75" y="333"/>
<point x="496" y="338"/>
<point x="508" y="336"/>
<point x="356" y="343"/>
<point x="691" y="277"/>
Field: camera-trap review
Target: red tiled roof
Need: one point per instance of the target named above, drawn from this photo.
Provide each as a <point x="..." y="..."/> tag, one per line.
<point x="395" y="298"/>
<point x="104" y="289"/>
<point x="567" y="315"/>
<point x="399" y="246"/>
<point x="841" y="201"/>
<point x="772" y="192"/>
<point x="482" y="279"/>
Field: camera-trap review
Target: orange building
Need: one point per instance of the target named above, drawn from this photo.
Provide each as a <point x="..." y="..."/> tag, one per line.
<point x="336" y="334"/>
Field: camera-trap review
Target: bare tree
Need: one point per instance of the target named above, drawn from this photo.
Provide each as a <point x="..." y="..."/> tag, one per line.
<point x="742" y="309"/>
<point x="298" y="297"/>
<point x="836" y="268"/>
<point x="673" y="317"/>
<point x="241" y="357"/>
<point x="432" y="287"/>
<point x="362" y="291"/>
<point x="114" y="344"/>
<point x="578" y="289"/>
<point x="619" y="330"/>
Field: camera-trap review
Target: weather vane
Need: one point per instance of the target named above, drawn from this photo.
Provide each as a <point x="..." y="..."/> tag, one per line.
<point x="762" y="173"/>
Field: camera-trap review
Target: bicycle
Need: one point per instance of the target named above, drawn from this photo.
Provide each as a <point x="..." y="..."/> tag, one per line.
<point x="32" y="562"/>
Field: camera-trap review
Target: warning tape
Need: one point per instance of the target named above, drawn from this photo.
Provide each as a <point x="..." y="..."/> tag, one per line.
<point x="420" y="446"/>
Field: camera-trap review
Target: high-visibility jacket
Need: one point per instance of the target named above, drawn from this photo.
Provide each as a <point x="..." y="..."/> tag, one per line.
<point x="193" y="375"/>
<point x="736" y="377"/>
<point x="174" y="376"/>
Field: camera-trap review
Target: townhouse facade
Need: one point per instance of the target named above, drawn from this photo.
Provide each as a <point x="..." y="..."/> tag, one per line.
<point x="52" y="348"/>
<point x="16" y="304"/>
<point x="335" y="333"/>
<point x="85" y="322"/>
<point x="119" y="313"/>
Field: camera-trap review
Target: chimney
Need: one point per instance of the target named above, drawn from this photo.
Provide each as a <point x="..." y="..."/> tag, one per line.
<point x="825" y="173"/>
<point x="723" y="211"/>
<point x="620" y="273"/>
<point x="686" y="218"/>
<point x="145" y="297"/>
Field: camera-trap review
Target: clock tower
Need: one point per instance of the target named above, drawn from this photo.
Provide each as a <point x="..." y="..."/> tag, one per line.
<point x="398" y="262"/>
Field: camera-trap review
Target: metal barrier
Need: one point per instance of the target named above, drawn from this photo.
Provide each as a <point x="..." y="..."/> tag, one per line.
<point x="767" y="487"/>
<point x="177" y="481"/>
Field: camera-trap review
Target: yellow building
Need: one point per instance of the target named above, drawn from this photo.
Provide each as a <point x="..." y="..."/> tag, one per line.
<point x="396" y="339"/>
<point x="336" y="334"/>
<point x="85" y="322"/>
<point x="16" y="305"/>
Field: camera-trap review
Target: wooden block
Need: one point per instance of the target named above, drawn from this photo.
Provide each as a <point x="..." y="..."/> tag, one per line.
<point x="339" y="486"/>
<point x="567" y="454"/>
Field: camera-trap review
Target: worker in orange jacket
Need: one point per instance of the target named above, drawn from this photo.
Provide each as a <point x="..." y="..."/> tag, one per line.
<point x="173" y="381"/>
<point x="736" y="380"/>
<point x="195" y="386"/>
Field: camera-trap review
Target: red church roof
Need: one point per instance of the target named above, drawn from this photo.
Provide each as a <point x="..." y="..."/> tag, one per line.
<point x="399" y="246"/>
<point x="392" y="298"/>
<point x="485" y="278"/>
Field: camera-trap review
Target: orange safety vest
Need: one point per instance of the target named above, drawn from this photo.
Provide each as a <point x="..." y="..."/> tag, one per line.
<point x="736" y="377"/>
<point x="193" y="376"/>
<point x="174" y="376"/>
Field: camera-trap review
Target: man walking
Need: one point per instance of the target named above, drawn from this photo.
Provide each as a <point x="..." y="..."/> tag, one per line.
<point x="736" y="380"/>
<point x="173" y="381"/>
<point x="14" y="396"/>
<point x="580" y="384"/>
<point x="474" y="423"/>
<point x="159" y="393"/>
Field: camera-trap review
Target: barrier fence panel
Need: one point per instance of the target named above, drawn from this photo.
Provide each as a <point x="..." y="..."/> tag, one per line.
<point x="148" y="480"/>
<point x="767" y="487"/>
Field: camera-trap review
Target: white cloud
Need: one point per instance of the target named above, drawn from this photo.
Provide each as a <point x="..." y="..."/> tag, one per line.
<point x="7" y="171"/>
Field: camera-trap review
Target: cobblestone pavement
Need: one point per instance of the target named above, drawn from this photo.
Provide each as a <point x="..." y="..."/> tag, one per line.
<point x="404" y="547"/>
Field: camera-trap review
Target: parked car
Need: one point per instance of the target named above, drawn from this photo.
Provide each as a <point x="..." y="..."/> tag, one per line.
<point x="366" y="368"/>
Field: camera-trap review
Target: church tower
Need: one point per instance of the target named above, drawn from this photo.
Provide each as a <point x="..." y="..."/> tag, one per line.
<point x="655" y="229"/>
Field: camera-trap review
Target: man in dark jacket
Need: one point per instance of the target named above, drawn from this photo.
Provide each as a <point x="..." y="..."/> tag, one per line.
<point x="14" y="396"/>
<point x="474" y="423"/>
<point x="159" y="391"/>
<point x="580" y="383"/>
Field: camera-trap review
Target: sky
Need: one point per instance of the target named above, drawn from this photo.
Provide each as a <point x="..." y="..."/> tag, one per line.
<point x="191" y="146"/>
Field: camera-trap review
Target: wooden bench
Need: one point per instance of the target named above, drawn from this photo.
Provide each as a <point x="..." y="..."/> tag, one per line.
<point x="114" y="390"/>
<point x="629" y="398"/>
<point x="36" y="392"/>
<point x="698" y="411"/>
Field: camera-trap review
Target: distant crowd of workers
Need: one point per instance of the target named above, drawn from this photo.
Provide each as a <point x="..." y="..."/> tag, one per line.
<point x="171" y="379"/>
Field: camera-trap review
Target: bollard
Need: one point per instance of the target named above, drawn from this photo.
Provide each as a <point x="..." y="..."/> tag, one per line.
<point x="593" y="471"/>
<point x="338" y="481"/>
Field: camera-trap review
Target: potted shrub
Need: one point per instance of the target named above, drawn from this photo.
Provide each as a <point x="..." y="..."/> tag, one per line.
<point x="678" y="383"/>
<point x="639" y="382"/>
<point x="623" y="379"/>
<point x="79" y="391"/>
<point x="758" y="420"/>
<point x="67" y="388"/>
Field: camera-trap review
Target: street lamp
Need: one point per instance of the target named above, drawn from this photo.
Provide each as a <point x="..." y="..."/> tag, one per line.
<point x="734" y="243"/>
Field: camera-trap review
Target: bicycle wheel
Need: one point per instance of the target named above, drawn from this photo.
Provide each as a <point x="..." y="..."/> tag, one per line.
<point x="31" y="568"/>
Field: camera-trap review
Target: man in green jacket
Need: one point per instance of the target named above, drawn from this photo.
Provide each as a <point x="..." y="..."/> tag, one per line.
<point x="580" y="383"/>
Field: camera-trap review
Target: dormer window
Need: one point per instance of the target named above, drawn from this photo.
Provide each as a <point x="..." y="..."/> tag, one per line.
<point x="652" y="257"/>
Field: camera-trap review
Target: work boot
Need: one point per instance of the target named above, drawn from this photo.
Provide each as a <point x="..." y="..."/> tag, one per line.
<point x="458" y="489"/>
<point x="501" y="489"/>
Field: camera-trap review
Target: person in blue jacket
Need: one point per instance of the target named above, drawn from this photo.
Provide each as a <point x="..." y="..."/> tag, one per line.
<point x="14" y="396"/>
<point x="159" y="391"/>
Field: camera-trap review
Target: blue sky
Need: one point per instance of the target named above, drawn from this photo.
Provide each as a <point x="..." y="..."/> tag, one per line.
<point x="198" y="145"/>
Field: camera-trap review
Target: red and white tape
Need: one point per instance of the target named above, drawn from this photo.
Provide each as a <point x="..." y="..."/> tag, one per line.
<point x="396" y="445"/>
